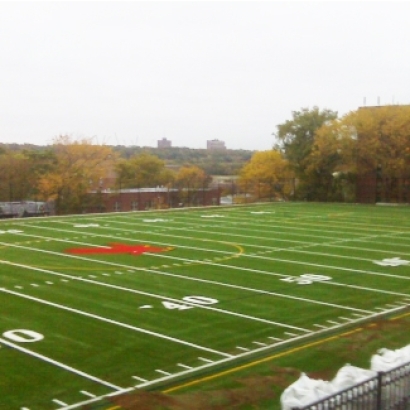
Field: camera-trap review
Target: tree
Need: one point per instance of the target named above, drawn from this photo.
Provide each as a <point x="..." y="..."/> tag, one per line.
<point x="142" y="171"/>
<point x="331" y="164"/>
<point x="267" y="175"/>
<point x="192" y="180"/>
<point x="78" y="167"/>
<point x="383" y="141"/>
<point x="296" y="139"/>
<point x="20" y="171"/>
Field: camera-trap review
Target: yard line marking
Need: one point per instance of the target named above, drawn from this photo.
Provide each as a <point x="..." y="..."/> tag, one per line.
<point x="345" y="318"/>
<point x="139" y="379"/>
<point x="242" y="348"/>
<point x="34" y="285"/>
<point x="163" y="372"/>
<point x="291" y="334"/>
<point x="326" y="266"/>
<point x="274" y="338"/>
<point x="205" y="360"/>
<point x="320" y="326"/>
<point x="59" y="402"/>
<point x="114" y="322"/>
<point x="184" y="366"/>
<point x="333" y="322"/>
<point x="243" y="316"/>
<point x="59" y="364"/>
<point x="256" y="271"/>
<point x="304" y="243"/>
<point x="259" y="343"/>
<point x="86" y="393"/>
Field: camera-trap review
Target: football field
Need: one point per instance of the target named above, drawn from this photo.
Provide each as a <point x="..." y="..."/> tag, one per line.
<point x="98" y="305"/>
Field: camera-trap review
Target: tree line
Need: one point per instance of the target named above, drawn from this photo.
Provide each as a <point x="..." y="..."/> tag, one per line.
<point x="317" y="156"/>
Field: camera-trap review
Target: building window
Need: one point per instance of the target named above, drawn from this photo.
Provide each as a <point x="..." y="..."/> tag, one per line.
<point x="134" y="205"/>
<point x="117" y="206"/>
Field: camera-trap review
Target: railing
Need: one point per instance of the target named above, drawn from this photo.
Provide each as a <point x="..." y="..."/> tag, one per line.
<point x="387" y="391"/>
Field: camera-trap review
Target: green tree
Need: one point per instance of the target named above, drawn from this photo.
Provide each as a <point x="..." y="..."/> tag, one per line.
<point x="295" y="139"/>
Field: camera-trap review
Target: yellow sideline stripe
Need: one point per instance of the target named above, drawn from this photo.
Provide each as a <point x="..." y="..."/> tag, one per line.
<point x="266" y="359"/>
<point x="400" y="316"/>
<point x="276" y="356"/>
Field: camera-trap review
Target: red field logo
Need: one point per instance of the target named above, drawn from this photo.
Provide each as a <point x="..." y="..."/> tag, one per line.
<point x="118" y="248"/>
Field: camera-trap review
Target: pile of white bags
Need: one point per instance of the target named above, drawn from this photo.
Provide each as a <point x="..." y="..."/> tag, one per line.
<point x="305" y="390"/>
<point x="387" y="359"/>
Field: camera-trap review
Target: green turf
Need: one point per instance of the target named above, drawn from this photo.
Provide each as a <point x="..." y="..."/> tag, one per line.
<point x="232" y="288"/>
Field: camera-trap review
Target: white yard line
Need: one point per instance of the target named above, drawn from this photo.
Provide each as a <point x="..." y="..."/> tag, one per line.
<point x="246" y="255"/>
<point x="114" y="322"/>
<point x="161" y="297"/>
<point x="268" y="238"/>
<point x="59" y="364"/>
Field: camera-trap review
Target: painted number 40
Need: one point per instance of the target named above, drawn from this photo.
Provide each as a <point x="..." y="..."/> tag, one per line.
<point x="193" y="300"/>
<point x="306" y="279"/>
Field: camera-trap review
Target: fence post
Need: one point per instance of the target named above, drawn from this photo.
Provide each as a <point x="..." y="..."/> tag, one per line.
<point x="379" y="390"/>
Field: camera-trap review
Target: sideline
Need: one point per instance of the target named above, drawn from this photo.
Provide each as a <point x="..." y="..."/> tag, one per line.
<point x="272" y="357"/>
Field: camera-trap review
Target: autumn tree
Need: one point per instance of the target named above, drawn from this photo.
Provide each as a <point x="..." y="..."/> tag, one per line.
<point x="331" y="164"/>
<point x="295" y="139"/>
<point x="192" y="181"/>
<point x="78" y="165"/>
<point x="142" y="171"/>
<point x="21" y="171"/>
<point x="267" y="175"/>
<point x="381" y="137"/>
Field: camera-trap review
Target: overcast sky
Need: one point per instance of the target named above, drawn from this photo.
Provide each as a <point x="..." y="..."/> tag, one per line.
<point x="133" y="72"/>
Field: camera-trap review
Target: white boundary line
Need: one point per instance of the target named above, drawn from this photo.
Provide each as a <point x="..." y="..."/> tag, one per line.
<point x="114" y="322"/>
<point x="165" y="298"/>
<point x="61" y="365"/>
<point x="222" y="252"/>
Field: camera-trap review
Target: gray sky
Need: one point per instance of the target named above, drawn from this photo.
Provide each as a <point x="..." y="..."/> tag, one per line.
<point x="134" y="72"/>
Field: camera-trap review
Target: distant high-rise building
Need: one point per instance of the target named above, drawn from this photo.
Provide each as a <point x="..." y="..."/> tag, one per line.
<point x="215" y="145"/>
<point x="164" y="143"/>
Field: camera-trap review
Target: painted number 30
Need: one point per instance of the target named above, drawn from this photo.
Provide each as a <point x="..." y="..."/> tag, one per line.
<point x="193" y="300"/>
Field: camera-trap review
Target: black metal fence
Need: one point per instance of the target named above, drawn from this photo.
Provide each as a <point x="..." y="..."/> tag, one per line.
<point x="387" y="391"/>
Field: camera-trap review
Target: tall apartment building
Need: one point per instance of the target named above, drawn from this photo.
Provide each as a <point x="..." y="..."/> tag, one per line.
<point x="164" y="143"/>
<point x="215" y="145"/>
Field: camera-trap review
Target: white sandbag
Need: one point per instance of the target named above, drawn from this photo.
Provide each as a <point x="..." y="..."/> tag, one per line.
<point x="349" y="375"/>
<point x="305" y="391"/>
<point x="387" y="359"/>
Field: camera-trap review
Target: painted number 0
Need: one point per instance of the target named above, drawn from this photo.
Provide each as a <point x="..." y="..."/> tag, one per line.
<point x="23" y="336"/>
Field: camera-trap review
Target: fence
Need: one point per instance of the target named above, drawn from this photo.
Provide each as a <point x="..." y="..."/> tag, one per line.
<point x="387" y="391"/>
